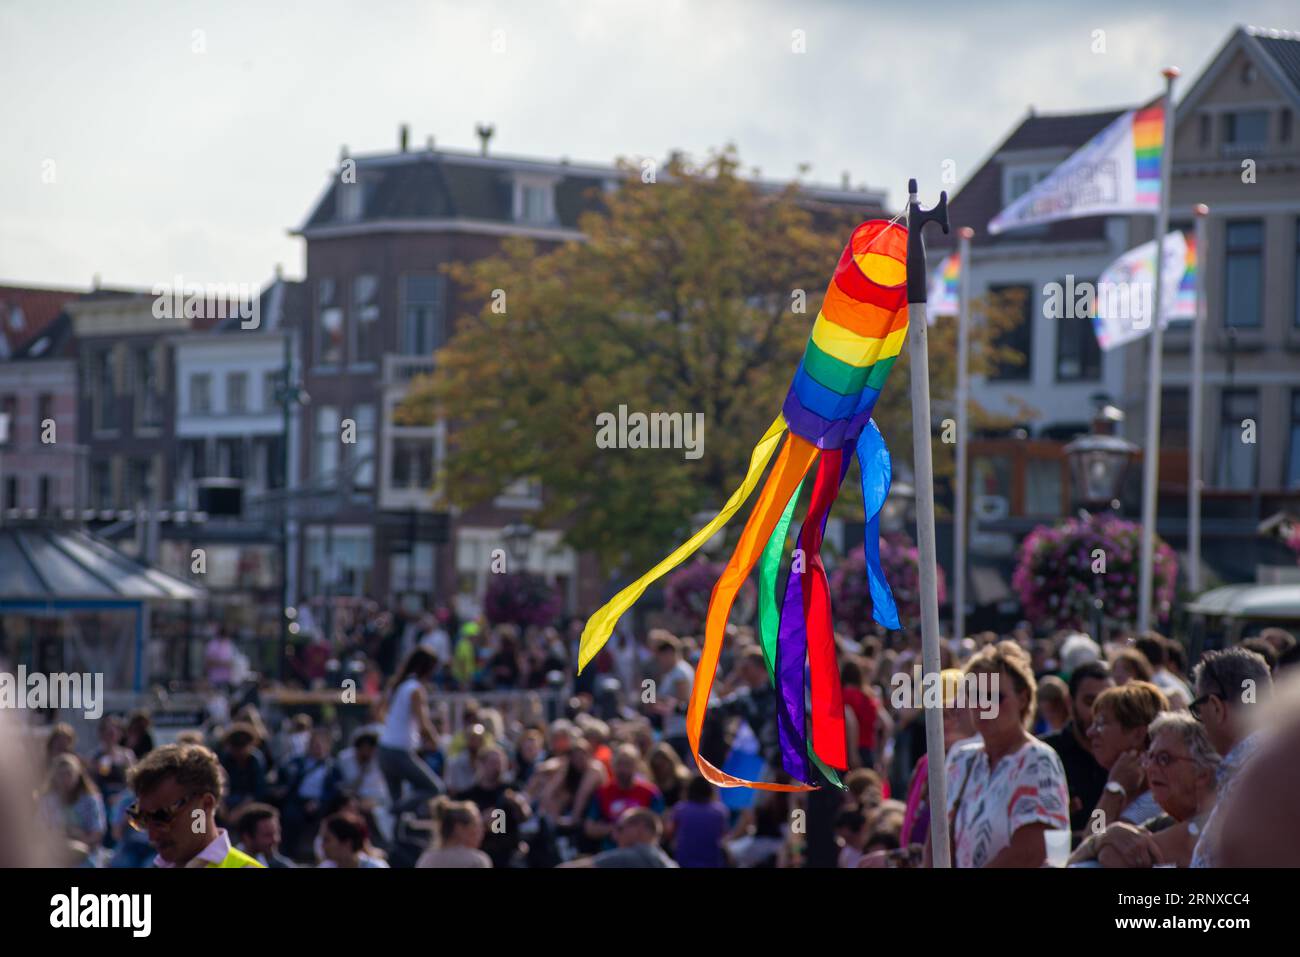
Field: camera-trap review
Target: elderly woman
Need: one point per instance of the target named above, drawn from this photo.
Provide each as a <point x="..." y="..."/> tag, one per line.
<point x="1119" y="737"/>
<point x="1008" y="789"/>
<point x="1180" y="767"/>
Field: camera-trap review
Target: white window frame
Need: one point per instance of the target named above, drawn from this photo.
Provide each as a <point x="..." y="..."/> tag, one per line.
<point x="527" y="181"/>
<point x="1037" y="173"/>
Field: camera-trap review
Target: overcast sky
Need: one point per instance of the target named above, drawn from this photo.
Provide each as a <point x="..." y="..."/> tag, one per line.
<point x="165" y="160"/>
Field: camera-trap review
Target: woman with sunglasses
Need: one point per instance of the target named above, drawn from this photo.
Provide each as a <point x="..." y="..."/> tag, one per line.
<point x="1180" y="767"/>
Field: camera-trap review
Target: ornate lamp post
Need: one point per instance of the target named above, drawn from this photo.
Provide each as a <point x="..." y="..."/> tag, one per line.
<point x="1098" y="463"/>
<point x="289" y="395"/>
<point x="518" y="538"/>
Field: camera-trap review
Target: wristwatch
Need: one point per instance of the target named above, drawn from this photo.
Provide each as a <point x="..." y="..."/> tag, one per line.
<point x="1114" y="787"/>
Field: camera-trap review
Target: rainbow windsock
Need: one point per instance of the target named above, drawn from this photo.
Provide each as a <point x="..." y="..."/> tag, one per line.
<point x="854" y="343"/>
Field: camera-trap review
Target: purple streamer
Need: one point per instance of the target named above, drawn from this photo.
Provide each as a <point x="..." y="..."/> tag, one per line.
<point x="792" y="663"/>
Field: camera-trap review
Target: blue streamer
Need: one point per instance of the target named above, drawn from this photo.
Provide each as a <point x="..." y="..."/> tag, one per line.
<point x="877" y="473"/>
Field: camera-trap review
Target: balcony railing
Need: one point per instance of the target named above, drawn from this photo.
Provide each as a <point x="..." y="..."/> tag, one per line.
<point x="399" y="370"/>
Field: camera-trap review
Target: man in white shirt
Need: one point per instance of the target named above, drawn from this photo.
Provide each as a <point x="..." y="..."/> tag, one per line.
<point x="1230" y="684"/>
<point x="435" y="639"/>
<point x="673" y="689"/>
<point x="361" y="776"/>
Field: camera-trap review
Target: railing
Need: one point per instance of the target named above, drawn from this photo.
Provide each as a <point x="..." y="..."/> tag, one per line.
<point x="399" y="370"/>
<point x="543" y="705"/>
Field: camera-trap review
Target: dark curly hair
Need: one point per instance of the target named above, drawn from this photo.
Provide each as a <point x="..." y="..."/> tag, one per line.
<point x="194" y="767"/>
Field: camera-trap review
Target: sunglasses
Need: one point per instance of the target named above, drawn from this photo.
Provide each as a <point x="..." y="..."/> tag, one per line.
<point x="142" y="820"/>
<point x="1214" y="679"/>
<point x="1195" y="706"/>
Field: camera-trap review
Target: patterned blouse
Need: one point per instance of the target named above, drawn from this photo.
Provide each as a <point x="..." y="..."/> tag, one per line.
<point x="1026" y="787"/>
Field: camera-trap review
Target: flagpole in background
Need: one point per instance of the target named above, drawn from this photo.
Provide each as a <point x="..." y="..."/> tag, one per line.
<point x="1198" y="374"/>
<point x="1151" y="448"/>
<point x="963" y="400"/>
<point x="918" y="353"/>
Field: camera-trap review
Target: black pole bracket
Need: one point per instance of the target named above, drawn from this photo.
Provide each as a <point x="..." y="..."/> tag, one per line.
<point x="917" y="274"/>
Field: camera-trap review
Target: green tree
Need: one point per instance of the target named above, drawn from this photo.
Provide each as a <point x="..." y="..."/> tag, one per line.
<point x="680" y="299"/>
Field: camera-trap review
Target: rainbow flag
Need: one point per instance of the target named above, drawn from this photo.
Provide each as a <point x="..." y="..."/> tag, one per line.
<point x="1125" y="291"/>
<point x="1117" y="171"/>
<point x="1148" y="138"/>
<point x="1184" y="306"/>
<point x="945" y="293"/>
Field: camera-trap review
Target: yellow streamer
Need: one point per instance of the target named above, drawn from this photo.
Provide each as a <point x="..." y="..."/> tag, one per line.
<point x="601" y="624"/>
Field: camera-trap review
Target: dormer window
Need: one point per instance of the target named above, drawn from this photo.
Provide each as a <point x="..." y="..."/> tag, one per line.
<point x="534" y="200"/>
<point x="1018" y="180"/>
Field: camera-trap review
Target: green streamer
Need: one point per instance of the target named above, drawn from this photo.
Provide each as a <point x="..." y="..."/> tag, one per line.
<point x="769" y="615"/>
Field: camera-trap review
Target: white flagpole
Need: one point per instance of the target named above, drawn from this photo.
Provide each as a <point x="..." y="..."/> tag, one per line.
<point x="918" y="354"/>
<point x="1198" y="374"/>
<point x="963" y="400"/>
<point x="1151" y="449"/>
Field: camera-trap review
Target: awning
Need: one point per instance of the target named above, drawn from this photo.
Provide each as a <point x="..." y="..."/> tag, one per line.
<point x="1250" y="601"/>
<point x="51" y="564"/>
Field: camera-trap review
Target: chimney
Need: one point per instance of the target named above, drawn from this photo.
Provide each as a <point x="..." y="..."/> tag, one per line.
<point x="484" y="134"/>
<point x="844" y="180"/>
<point x="94" y="281"/>
<point x="428" y="144"/>
<point x="403" y="134"/>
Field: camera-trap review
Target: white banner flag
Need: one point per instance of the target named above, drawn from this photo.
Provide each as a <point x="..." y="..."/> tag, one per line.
<point x="1126" y="291"/>
<point x="1117" y="171"/>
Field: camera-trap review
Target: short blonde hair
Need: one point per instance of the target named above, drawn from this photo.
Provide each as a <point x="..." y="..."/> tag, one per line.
<point x="1009" y="658"/>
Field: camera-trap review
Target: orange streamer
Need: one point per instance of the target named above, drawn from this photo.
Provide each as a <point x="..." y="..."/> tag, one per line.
<point x="797" y="456"/>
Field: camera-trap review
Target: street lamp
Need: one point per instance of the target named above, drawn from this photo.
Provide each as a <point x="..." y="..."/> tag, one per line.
<point x="1098" y="464"/>
<point x="289" y="395"/>
<point x="1099" y="461"/>
<point x="518" y="536"/>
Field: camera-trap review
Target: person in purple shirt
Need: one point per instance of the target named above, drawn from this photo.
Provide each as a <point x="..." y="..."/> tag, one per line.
<point x="698" y="826"/>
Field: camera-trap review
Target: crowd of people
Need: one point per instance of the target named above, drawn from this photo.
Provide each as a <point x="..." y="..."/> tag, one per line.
<point x="1114" y="756"/>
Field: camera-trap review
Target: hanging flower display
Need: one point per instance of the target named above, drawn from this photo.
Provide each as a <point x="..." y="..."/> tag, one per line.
<point x="1064" y="569"/>
<point x="520" y="599"/>
<point x="900" y="559"/>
